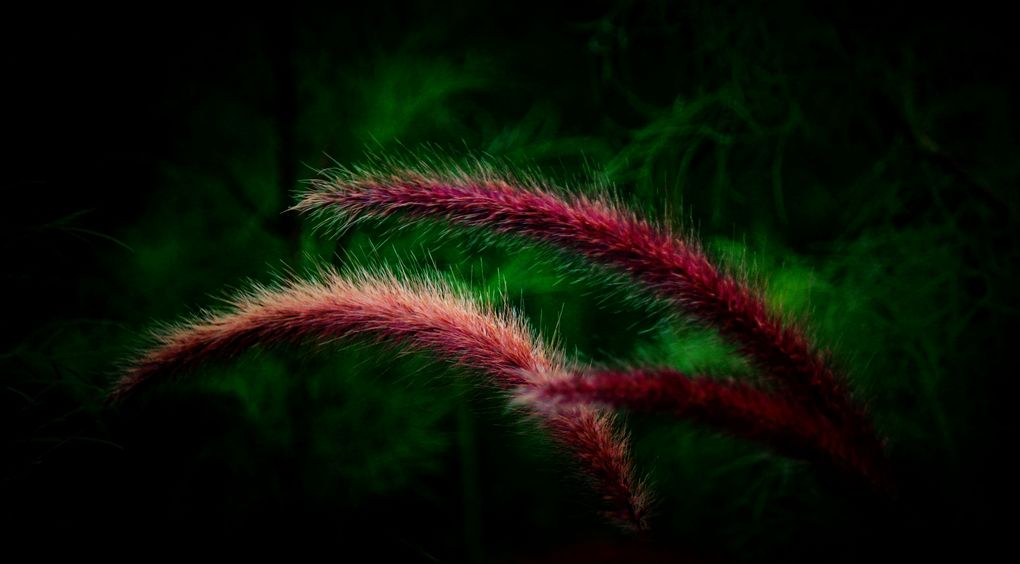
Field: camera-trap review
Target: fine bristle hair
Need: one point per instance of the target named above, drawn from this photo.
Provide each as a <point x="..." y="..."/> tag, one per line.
<point x="417" y="314"/>
<point x="734" y="408"/>
<point x="603" y="232"/>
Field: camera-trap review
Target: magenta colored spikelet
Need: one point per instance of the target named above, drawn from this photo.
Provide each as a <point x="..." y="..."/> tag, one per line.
<point x="424" y="316"/>
<point x="735" y="408"/>
<point x="590" y="435"/>
<point x="673" y="268"/>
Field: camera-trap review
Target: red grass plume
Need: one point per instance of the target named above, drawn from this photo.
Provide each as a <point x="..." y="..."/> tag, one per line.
<point x="734" y="408"/>
<point x="598" y="230"/>
<point x="420" y="315"/>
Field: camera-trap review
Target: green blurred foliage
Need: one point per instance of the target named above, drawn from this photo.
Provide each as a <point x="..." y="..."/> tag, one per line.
<point x="862" y="169"/>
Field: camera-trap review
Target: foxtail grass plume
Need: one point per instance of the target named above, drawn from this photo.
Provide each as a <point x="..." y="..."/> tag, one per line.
<point x="602" y="232"/>
<point x="420" y="315"/>
<point x="734" y="408"/>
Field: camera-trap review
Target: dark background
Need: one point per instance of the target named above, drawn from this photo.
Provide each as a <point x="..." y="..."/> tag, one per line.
<point x="861" y="160"/>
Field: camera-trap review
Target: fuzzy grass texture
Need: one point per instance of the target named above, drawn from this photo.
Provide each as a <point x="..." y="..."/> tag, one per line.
<point x="422" y="315"/>
<point x="806" y="412"/>
<point x="730" y="407"/>
<point x="790" y="135"/>
<point x="603" y="232"/>
<point x="675" y="268"/>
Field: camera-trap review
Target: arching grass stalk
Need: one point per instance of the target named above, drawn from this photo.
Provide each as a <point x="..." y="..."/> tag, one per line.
<point x="419" y="315"/>
<point x="674" y="268"/>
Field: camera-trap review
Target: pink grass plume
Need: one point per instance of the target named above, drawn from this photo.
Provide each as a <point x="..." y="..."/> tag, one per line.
<point x="420" y="315"/>
<point x="735" y="408"/>
<point x="602" y="232"/>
